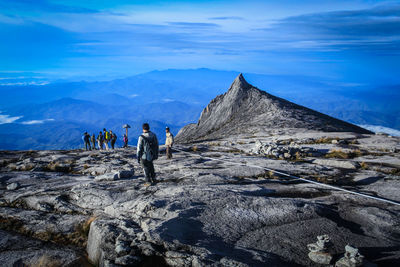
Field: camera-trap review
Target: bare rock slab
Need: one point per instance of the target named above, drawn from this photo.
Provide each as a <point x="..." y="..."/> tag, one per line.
<point x="18" y="250"/>
<point x="107" y="177"/>
<point x="337" y="163"/>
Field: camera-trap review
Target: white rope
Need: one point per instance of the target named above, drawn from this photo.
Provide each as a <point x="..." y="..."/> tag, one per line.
<point x="298" y="178"/>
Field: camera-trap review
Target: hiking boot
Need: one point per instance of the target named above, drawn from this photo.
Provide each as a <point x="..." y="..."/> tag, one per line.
<point x="146" y="184"/>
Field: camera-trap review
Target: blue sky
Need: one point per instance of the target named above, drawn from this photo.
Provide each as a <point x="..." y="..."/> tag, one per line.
<point x="349" y="41"/>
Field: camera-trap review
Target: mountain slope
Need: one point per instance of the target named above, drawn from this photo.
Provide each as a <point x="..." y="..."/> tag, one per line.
<point x="246" y="109"/>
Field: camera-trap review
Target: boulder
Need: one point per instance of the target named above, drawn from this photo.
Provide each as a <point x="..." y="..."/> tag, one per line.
<point x="13" y="186"/>
<point x="319" y="250"/>
<point x="352" y="258"/>
<point x="99" y="170"/>
<point x="98" y="233"/>
<point x="320" y="257"/>
<point x="108" y="241"/>
<point x="258" y="146"/>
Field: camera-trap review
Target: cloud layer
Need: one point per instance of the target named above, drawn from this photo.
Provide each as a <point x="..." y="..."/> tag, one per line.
<point x="72" y="38"/>
<point x="31" y="122"/>
<point x="7" y="119"/>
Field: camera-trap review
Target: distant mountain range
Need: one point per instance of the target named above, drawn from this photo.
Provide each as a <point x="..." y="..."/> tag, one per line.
<point x="54" y="116"/>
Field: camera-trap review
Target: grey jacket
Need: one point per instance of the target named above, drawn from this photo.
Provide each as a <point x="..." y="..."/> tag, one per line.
<point x="140" y="145"/>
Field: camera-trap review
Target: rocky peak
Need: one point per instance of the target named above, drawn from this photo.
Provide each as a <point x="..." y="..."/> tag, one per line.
<point x="221" y="109"/>
<point x="239" y="85"/>
<point x="246" y="109"/>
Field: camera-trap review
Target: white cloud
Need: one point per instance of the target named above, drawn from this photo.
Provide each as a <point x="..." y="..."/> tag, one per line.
<point x="36" y="121"/>
<point x="133" y="96"/>
<point x="381" y="129"/>
<point x="7" y="119"/>
<point x="24" y="83"/>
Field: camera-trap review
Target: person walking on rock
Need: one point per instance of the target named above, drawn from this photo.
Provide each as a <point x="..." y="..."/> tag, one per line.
<point x="113" y="137"/>
<point x="169" y="141"/>
<point x="106" y="136"/>
<point x="147" y="152"/>
<point x="100" y="140"/>
<point x="86" y="138"/>
<point x="93" y="140"/>
<point x="125" y="141"/>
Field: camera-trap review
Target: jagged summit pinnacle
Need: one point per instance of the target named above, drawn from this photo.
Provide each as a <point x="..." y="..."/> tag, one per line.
<point x="246" y="109"/>
<point x="239" y="87"/>
<point x="238" y="90"/>
<point x="240" y="82"/>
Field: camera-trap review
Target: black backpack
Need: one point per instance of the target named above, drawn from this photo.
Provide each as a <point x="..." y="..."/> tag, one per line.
<point x="148" y="148"/>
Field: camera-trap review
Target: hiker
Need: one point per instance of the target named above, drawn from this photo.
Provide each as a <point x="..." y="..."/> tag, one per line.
<point x="113" y="137"/>
<point x="100" y="140"/>
<point x="86" y="138"/>
<point x="169" y="141"/>
<point x="93" y="140"/>
<point x="147" y="151"/>
<point x="106" y="136"/>
<point x="125" y="141"/>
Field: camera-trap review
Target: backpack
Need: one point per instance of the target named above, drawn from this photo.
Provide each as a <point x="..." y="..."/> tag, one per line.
<point x="148" y="148"/>
<point x="106" y="136"/>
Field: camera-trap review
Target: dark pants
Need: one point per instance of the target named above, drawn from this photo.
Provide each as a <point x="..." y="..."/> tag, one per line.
<point x="112" y="144"/>
<point x="169" y="152"/>
<point x="87" y="145"/>
<point x="148" y="169"/>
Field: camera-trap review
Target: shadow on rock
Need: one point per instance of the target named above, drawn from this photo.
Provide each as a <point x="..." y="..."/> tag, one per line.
<point x="334" y="216"/>
<point x="369" y="180"/>
<point x="384" y="257"/>
<point x="188" y="230"/>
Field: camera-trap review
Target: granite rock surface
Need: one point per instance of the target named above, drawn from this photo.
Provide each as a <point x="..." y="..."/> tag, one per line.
<point x="213" y="204"/>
